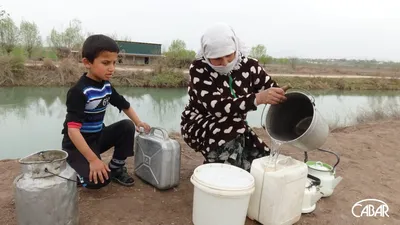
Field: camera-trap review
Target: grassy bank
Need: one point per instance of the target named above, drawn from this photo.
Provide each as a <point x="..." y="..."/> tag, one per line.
<point x="377" y="115"/>
<point x="13" y="72"/>
<point x="318" y="83"/>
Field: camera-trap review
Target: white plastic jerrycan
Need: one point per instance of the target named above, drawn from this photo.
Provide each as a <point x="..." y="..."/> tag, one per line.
<point x="279" y="191"/>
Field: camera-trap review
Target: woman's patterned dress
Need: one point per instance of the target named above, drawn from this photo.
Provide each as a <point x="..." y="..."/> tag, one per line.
<point x="214" y="120"/>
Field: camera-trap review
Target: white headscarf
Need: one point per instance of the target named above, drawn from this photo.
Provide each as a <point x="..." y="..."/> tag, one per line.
<point x="220" y="40"/>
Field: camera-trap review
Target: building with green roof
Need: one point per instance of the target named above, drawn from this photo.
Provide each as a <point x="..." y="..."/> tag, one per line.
<point x="138" y="53"/>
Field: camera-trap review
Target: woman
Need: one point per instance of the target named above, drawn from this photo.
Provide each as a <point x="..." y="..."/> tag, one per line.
<point x="224" y="85"/>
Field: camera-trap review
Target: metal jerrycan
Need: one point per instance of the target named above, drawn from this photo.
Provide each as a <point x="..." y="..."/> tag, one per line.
<point x="157" y="158"/>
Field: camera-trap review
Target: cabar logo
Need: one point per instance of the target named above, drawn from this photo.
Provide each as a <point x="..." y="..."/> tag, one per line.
<point x="370" y="208"/>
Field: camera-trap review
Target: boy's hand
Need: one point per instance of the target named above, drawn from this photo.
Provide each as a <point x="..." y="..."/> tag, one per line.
<point x="144" y="125"/>
<point x="98" y="169"/>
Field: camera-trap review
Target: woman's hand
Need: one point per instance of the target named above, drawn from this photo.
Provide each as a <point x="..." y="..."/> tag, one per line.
<point x="271" y="96"/>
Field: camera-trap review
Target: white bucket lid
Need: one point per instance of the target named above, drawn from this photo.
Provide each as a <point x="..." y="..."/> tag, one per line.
<point x="222" y="177"/>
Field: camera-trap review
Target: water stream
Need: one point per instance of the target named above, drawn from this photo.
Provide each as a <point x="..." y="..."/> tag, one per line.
<point x="274" y="154"/>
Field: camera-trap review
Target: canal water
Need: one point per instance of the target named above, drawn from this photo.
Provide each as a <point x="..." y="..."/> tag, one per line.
<point x="31" y="118"/>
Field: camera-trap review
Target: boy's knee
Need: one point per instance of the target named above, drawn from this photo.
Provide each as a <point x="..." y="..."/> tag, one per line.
<point x="92" y="185"/>
<point x="128" y="125"/>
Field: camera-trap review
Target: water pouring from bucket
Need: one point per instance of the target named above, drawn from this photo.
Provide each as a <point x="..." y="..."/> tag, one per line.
<point x="296" y="122"/>
<point x="275" y="145"/>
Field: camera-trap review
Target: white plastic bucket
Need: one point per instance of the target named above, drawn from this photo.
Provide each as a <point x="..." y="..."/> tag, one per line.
<point x="221" y="194"/>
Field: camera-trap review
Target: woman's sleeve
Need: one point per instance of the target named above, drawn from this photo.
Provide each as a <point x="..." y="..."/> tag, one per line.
<point x="261" y="80"/>
<point x="210" y="97"/>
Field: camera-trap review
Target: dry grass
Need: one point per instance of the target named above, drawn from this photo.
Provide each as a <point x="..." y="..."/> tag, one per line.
<point x="166" y="79"/>
<point x="49" y="64"/>
<point x="14" y="73"/>
<point x="68" y="71"/>
<point x="378" y="114"/>
<point x="388" y="71"/>
<point x="12" y="69"/>
<point x="393" y="112"/>
<point x="317" y="83"/>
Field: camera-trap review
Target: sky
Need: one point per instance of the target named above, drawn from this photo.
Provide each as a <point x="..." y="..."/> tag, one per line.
<point x="352" y="29"/>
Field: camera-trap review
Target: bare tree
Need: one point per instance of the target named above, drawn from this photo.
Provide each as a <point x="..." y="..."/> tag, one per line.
<point x="178" y="56"/>
<point x="293" y="62"/>
<point x="177" y="45"/>
<point x="115" y="37"/>
<point x="258" y="51"/>
<point x="71" y="38"/>
<point x="126" y="38"/>
<point x="30" y="37"/>
<point x="2" y="14"/>
<point x="8" y="33"/>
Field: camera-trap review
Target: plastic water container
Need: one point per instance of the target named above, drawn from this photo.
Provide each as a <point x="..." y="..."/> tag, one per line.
<point x="221" y="194"/>
<point x="279" y="192"/>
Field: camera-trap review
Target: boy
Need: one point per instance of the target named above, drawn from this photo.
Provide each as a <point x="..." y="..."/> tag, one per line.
<point x="85" y="135"/>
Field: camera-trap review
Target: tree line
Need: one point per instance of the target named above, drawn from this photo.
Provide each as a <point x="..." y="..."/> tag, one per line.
<point x="26" y="37"/>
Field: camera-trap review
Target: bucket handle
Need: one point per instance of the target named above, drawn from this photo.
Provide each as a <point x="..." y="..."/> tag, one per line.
<point x="337" y="157"/>
<point x="262" y="117"/>
<point x="309" y="95"/>
<point x="54" y="174"/>
<point x="165" y="134"/>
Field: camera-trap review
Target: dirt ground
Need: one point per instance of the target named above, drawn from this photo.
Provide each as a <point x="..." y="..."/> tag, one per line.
<point x="369" y="167"/>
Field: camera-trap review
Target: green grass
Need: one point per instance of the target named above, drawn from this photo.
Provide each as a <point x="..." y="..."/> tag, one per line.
<point x="36" y="54"/>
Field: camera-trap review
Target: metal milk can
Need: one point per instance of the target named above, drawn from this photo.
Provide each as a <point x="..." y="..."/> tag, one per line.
<point x="46" y="191"/>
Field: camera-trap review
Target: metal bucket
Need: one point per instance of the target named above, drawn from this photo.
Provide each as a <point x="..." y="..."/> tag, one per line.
<point x="297" y="122"/>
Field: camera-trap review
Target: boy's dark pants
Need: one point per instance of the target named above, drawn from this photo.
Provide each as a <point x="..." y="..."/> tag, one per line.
<point x="120" y="135"/>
